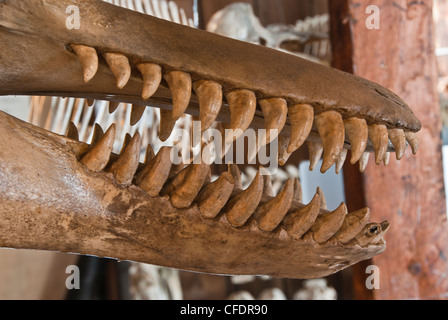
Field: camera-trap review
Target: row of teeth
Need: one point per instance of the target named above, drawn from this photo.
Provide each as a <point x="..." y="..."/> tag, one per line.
<point x="242" y="103"/>
<point x="225" y="200"/>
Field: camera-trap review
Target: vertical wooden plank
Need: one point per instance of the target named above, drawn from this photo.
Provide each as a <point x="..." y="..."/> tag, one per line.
<point x="410" y="193"/>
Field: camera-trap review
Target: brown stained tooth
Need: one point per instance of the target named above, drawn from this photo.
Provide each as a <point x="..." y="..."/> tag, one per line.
<point x="180" y="86"/>
<point x="166" y="124"/>
<point x="90" y="102"/>
<point x="283" y="154"/>
<point x="120" y="67"/>
<point x="127" y="164"/>
<point x="301" y="117"/>
<point x="268" y="190"/>
<point x="275" y="111"/>
<point x="323" y="200"/>
<point x="89" y="60"/>
<point x="353" y="224"/>
<point x="98" y="157"/>
<point x="298" y="194"/>
<point x="243" y="205"/>
<point x="270" y="214"/>
<point x="152" y="76"/>
<point x="155" y="173"/>
<point x="210" y="101"/>
<point x="127" y="140"/>
<point x="300" y="221"/>
<point x="340" y="160"/>
<point x="398" y="139"/>
<point x="214" y="196"/>
<point x="332" y="132"/>
<point x="242" y="104"/>
<point x="315" y="150"/>
<point x="380" y="139"/>
<point x="113" y="106"/>
<point x="328" y="224"/>
<point x="372" y="233"/>
<point x="98" y="133"/>
<point x="358" y="133"/>
<point x="72" y="132"/>
<point x="137" y="113"/>
<point x="149" y="154"/>
<point x="236" y="174"/>
<point x="364" y="161"/>
<point x="186" y="185"/>
<point x="412" y="138"/>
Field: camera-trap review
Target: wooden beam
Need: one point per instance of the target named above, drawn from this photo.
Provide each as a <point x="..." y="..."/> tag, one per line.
<point x="410" y="193"/>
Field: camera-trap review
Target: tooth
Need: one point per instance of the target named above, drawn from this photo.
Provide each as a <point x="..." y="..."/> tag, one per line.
<point x="398" y="139"/>
<point x="90" y="102"/>
<point x="412" y="138"/>
<point x="113" y="106"/>
<point x="98" y="133"/>
<point x="315" y="150"/>
<point x="372" y="233"/>
<point x="187" y="184"/>
<point x="283" y="155"/>
<point x="210" y="101"/>
<point x="323" y="201"/>
<point x="243" y="205"/>
<point x="386" y="159"/>
<point x="301" y="117"/>
<point x="353" y="224"/>
<point x="270" y="214"/>
<point x="340" y="160"/>
<point x="235" y="172"/>
<point x="127" y="164"/>
<point x="213" y="197"/>
<point x="300" y="221"/>
<point x="166" y="125"/>
<point x="127" y="139"/>
<point x="242" y="105"/>
<point x="380" y="139"/>
<point x="298" y="195"/>
<point x="72" y="132"/>
<point x="180" y="86"/>
<point x="364" y="161"/>
<point x="98" y="157"/>
<point x="149" y="154"/>
<point x="268" y="189"/>
<point x="328" y="224"/>
<point x="155" y="172"/>
<point x="137" y="113"/>
<point x="357" y="133"/>
<point x="332" y="132"/>
<point x="274" y="112"/>
<point x="152" y="75"/>
<point x="89" y="60"/>
<point x="120" y="67"/>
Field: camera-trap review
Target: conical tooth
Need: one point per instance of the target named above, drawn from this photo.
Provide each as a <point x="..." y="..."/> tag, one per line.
<point x="315" y="149"/>
<point x="243" y="205"/>
<point x="358" y="133"/>
<point x="236" y="174"/>
<point x="353" y="224"/>
<point x="380" y="139"/>
<point x="340" y="160"/>
<point x="275" y="111"/>
<point x="270" y="214"/>
<point x="137" y="113"/>
<point x="283" y="154"/>
<point x="332" y="132"/>
<point x="268" y="189"/>
<point x="328" y="224"/>
<point x="210" y="101"/>
<point x="180" y="86"/>
<point x="90" y="102"/>
<point x="127" y="164"/>
<point x="149" y="154"/>
<point x="298" y="194"/>
<point x="120" y="67"/>
<point x="98" y="133"/>
<point x="299" y="222"/>
<point x="213" y="197"/>
<point x="242" y="105"/>
<point x="89" y="60"/>
<point x="398" y="139"/>
<point x="113" y="106"/>
<point x="372" y="233"/>
<point x="412" y="138"/>
<point x="166" y="124"/>
<point x="186" y="188"/>
<point x="152" y="75"/>
<point x="155" y="172"/>
<point x="386" y="158"/>
<point x="301" y="117"/>
<point x="127" y="140"/>
<point x="98" y="157"/>
<point x="72" y="132"/>
<point x="364" y="161"/>
<point x="323" y="200"/>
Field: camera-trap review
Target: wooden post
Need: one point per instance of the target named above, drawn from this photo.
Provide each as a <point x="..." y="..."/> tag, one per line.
<point x="410" y="193"/>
